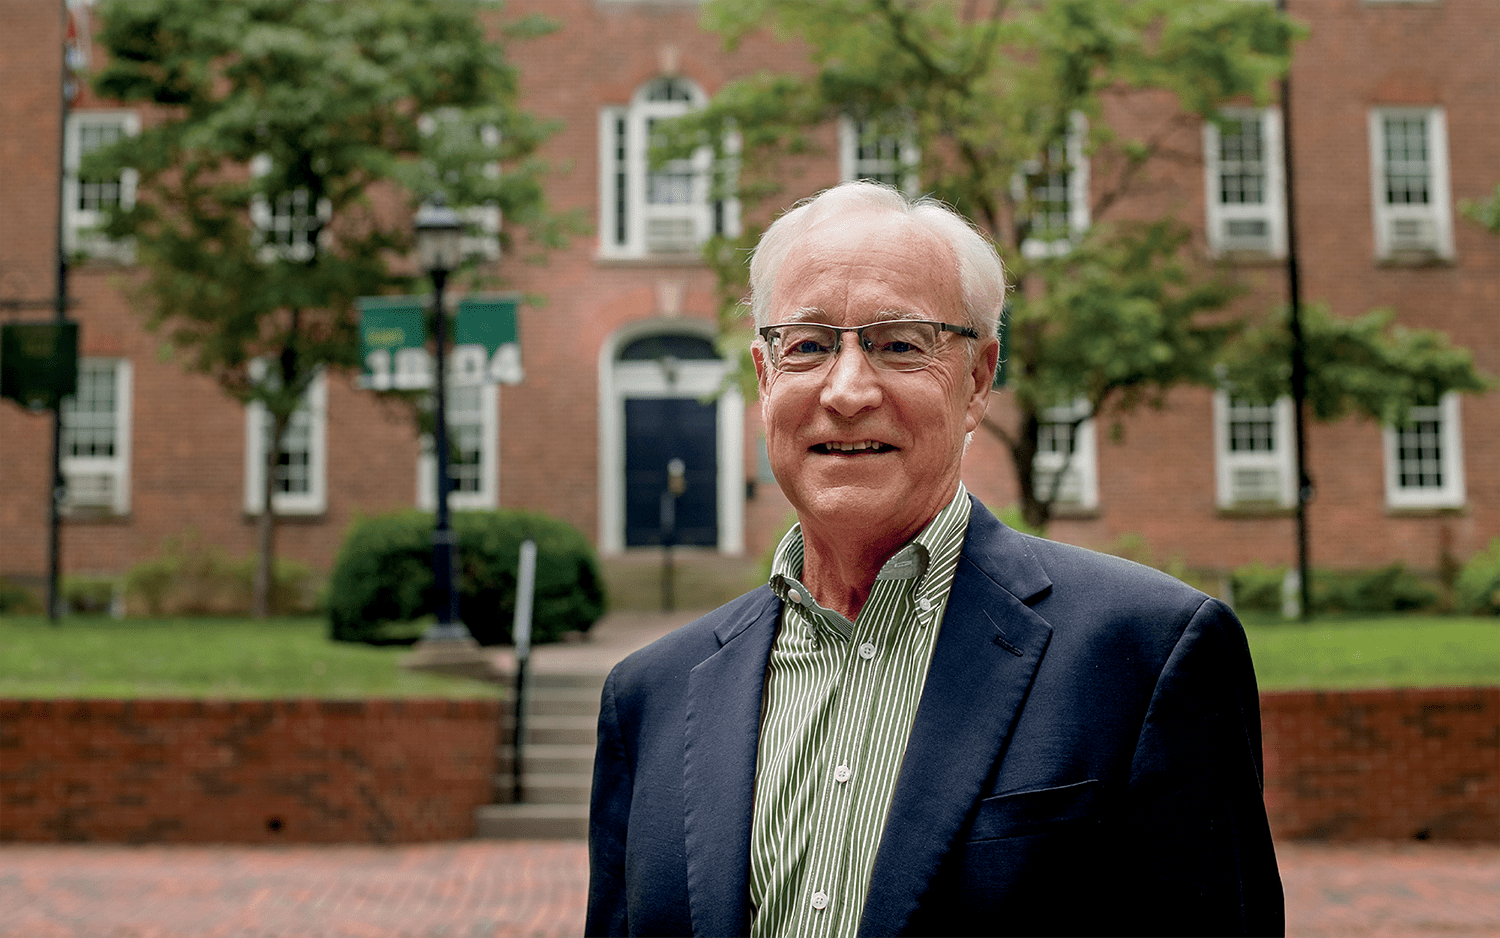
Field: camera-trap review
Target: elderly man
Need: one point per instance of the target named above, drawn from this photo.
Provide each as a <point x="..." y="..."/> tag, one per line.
<point x="926" y="723"/>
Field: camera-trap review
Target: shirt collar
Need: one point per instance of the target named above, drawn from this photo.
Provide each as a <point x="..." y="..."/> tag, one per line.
<point x="910" y="563"/>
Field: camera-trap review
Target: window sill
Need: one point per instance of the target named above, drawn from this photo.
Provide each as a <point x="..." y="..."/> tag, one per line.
<point x="1251" y="258"/>
<point x="1253" y="511"/>
<point x="284" y="516"/>
<point x="1414" y="260"/>
<point x="94" y="516"/>
<point x="1075" y="513"/>
<point x="683" y="259"/>
<point x="1426" y="511"/>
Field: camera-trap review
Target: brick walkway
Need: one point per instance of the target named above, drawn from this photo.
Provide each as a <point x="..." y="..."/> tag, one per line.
<point x="471" y="889"/>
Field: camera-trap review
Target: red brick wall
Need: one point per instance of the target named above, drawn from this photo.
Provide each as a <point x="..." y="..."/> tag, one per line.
<point x="1156" y="478"/>
<point x="1384" y="764"/>
<point x="186" y="771"/>
<point x="1361" y="765"/>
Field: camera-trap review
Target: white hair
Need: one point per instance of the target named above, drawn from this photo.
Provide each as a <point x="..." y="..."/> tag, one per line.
<point x="981" y="276"/>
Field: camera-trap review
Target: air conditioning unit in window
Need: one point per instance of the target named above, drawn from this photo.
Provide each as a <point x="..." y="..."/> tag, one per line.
<point x="1254" y="484"/>
<point x="1412" y="234"/>
<point x="671" y="234"/>
<point x="91" y="490"/>
<point x="1246" y="234"/>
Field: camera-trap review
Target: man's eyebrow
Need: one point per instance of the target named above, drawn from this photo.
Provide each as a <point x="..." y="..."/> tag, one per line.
<point x="815" y="315"/>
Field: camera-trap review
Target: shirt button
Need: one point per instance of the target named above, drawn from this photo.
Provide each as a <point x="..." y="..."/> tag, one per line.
<point x="820" y="900"/>
<point x="867" y="651"/>
<point x="794" y="596"/>
<point x="842" y="773"/>
<point x="924" y="604"/>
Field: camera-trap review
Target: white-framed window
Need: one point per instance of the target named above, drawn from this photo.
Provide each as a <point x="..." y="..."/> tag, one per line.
<point x="300" y="484"/>
<point x="865" y="152"/>
<point x="1054" y="194"/>
<point x="1254" y="452"/>
<point x="1413" y="212"/>
<point x="1066" y="457"/>
<point x="645" y="211"/>
<point x="288" y="224"/>
<point x="96" y="437"/>
<point x="1245" y="185"/>
<point x="1424" y="465"/>
<point x="473" y="417"/>
<point x="88" y="199"/>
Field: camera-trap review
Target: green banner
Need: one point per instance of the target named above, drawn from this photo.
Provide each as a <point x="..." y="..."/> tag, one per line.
<point x="38" y="362"/>
<point x="393" y="336"/>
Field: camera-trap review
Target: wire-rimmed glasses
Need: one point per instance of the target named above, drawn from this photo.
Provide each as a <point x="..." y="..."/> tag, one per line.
<point x="891" y="345"/>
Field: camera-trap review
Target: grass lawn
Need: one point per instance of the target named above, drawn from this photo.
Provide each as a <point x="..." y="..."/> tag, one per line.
<point x="89" y="656"/>
<point x="98" y="657"/>
<point x="1368" y="651"/>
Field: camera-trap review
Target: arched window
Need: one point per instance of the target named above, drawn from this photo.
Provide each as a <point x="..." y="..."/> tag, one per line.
<point x="666" y="210"/>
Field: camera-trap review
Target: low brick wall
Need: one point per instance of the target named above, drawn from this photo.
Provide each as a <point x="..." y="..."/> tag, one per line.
<point x="187" y="771"/>
<point x="1361" y="765"/>
<point x="1384" y="764"/>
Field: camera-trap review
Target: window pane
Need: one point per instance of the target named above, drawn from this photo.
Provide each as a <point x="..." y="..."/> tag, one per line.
<point x="1407" y="169"/>
<point x="89" y="417"/>
<point x="1242" y="174"/>
<point x="1050" y="195"/>
<point x="1252" y="427"/>
<point x="465" y="438"/>
<point x="294" y="468"/>
<point x="97" y="193"/>
<point x="1419" y="450"/>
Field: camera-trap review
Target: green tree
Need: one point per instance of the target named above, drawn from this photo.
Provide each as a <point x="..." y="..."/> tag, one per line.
<point x="999" y="100"/>
<point x="273" y="128"/>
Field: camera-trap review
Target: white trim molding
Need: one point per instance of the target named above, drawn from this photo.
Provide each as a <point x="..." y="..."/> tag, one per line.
<point x="1424" y="458"/>
<point x="693" y="379"/>
<point x="303" y="487"/>
<point x="1244" y="183"/>
<point x="1254" y="453"/>
<point x="96" y="437"/>
<point x="1409" y="192"/>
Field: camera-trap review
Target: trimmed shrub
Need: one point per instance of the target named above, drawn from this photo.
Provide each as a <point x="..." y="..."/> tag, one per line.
<point x="89" y="595"/>
<point x="1388" y="589"/>
<point x="190" y="578"/>
<point x="1257" y="588"/>
<point x="17" y="600"/>
<point x="1477" y="589"/>
<point x="382" y="589"/>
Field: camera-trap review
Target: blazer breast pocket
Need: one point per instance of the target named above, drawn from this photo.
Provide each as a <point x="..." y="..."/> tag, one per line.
<point x="1020" y="813"/>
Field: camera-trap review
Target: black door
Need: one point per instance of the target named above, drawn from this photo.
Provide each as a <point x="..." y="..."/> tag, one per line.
<point x="657" y="431"/>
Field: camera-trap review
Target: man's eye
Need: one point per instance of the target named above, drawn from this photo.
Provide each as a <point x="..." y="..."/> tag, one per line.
<point x="899" y="347"/>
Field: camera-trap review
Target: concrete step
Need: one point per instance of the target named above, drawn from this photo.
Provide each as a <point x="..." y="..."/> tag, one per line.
<point x="550" y="759"/>
<point x="561" y="701"/>
<point x="544" y="728"/>
<point x="545" y="788"/>
<point x="532" y="821"/>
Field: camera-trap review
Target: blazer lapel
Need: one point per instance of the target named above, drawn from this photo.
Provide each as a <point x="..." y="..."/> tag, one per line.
<point x="982" y="667"/>
<point x="721" y="735"/>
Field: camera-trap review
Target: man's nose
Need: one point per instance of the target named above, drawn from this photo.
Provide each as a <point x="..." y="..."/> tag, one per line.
<point x="851" y="384"/>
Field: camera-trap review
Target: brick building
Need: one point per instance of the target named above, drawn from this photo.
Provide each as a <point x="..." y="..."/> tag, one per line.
<point x="1396" y="115"/>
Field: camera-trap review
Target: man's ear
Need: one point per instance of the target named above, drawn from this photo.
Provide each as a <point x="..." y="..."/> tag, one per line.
<point x="762" y="370"/>
<point x="986" y="359"/>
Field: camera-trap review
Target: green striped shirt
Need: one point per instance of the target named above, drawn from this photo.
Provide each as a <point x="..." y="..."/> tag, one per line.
<point x="839" y="704"/>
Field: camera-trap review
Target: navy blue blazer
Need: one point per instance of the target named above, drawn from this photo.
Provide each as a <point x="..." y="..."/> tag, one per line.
<point x="1085" y="760"/>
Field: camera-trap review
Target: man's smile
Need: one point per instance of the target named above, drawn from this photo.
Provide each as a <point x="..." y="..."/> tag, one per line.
<point x="857" y="448"/>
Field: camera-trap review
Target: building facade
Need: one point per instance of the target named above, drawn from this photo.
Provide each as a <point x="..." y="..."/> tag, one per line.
<point x="1396" y="119"/>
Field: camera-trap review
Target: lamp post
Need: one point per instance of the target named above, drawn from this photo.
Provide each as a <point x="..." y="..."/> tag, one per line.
<point x="439" y="234"/>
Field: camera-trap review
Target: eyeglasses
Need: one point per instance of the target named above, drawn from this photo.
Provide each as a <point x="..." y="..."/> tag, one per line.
<point x="894" y="345"/>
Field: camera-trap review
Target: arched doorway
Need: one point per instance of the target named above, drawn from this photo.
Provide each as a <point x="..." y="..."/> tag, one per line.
<point x="660" y="411"/>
